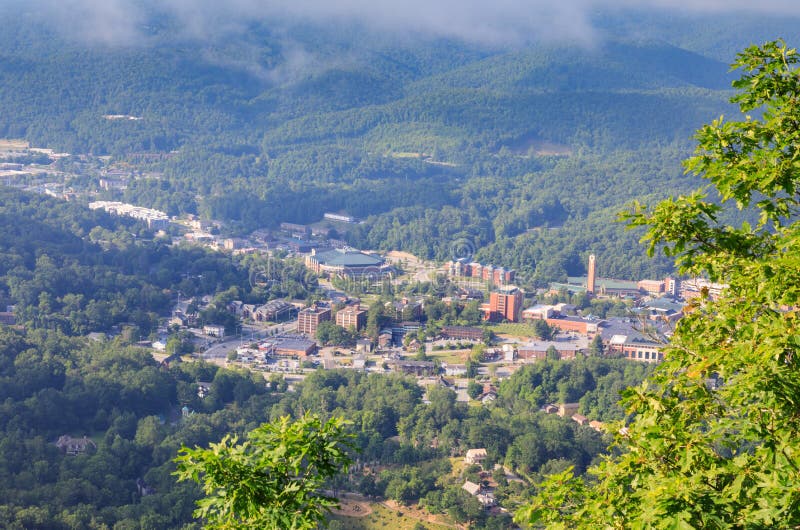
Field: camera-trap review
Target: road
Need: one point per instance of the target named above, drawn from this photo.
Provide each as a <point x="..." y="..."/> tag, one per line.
<point x="250" y="333"/>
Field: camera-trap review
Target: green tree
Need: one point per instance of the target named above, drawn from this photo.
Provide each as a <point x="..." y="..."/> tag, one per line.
<point x="596" y="346"/>
<point x="272" y="479"/>
<point x="474" y="389"/>
<point x="542" y="329"/>
<point x="726" y="455"/>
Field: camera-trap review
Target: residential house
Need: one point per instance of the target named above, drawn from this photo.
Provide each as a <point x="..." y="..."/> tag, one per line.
<point x="475" y="456"/>
<point x="75" y="446"/>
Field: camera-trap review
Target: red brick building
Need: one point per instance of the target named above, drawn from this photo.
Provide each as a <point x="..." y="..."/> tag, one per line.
<point x="504" y="304"/>
<point x="310" y="318"/>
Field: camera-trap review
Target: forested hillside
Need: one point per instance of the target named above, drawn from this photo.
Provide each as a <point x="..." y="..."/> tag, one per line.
<point x="430" y="140"/>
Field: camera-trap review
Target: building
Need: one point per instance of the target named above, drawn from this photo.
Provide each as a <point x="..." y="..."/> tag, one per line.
<point x="571" y="324"/>
<point x="662" y="309"/>
<point x="405" y="309"/>
<point x="566" y="410"/>
<point x="309" y="319"/>
<point x="75" y="446"/>
<point x="339" y="217"/>
<point x="385" y="338"/>
<point x="213" y="330"/>
<point x="418" y="368"/>
<point x="644" y="351"/>
<point x="154" y="219"/>
<point x="602" y="286"/>
<point x="462" y="333"/>
<point x="654" y="287"/>
<point x="580" y="419"/>
<point x="273" y="310"/>
<point x="454" y="370"/>
<point x="462" y="268"/>
<point x="630" y="339"/>
<point x="475" y="456"/>
<point x="364" y="345"/>
<point x="301" y="246"/>
<point x="297" y="230"/>
<point x="537" y="351"/>
<point x="701" y="288"/>
<point x="471" y="488"/>
<point x="351" y="317"/>
<point x="591" y="274"/>
<point x="288" y="346"/>
<point x="347" y="263"/>
<point x="539" y="312"/>
<point x="504" y="304"/>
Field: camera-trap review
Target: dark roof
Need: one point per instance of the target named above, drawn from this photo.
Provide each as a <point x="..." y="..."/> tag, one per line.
<point x="664" y="304"/>
<point x="631" y="329"/>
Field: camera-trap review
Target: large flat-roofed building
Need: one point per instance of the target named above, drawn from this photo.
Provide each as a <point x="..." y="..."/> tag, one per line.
<point x="309" y="319"/>
<point x="539" y="312"/>
<point x="574" y="324"/>
<point x="155" y="219"/>
<point x="289" y="346"/>
<point x="603" y="286"/>
<point x="538" y="350"/>
<point x="462" y="333"/>
<point x="701" y="288"/>
<point x="418" y="368"/>
<point x="630" y="339"/>
<point x="349" y="263"/>
<point x="654" y="287"/>
<point x="351" y="316"/>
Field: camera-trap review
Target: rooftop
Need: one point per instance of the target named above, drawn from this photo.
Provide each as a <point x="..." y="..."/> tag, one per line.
<point x="614" y="329"/>
<point x="347" y="258"/>
<point x="606" y="283"/>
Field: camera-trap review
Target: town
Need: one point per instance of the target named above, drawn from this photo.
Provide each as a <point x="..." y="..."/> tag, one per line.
<point x="314" y="303"/>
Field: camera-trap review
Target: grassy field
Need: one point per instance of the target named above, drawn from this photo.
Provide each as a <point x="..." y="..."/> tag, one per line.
<point x="449" y="356"/>
<point x="519" y="330"/>
<point x="381" y="517"/>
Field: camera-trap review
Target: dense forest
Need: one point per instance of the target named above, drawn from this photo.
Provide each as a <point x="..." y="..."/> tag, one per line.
<point x="130" y="408"/>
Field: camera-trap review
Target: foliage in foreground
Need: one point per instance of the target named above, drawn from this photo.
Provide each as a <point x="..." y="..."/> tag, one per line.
<point x="272" y="479"/>
<point x="724" y="455"/>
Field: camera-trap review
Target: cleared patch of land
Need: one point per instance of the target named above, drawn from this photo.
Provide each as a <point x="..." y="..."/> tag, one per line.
<point x="9" y="144"/>
<point x="389" y="515"/>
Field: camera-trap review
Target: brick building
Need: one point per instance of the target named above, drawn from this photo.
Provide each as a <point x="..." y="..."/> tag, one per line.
<point x="462" y="333"/>
<point x="351" y="316"/>
<point x="504" y="304"/>
<point x="310" y="318"/>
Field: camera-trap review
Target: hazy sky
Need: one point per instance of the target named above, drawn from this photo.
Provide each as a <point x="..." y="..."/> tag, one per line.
<point x="483" y="21"/>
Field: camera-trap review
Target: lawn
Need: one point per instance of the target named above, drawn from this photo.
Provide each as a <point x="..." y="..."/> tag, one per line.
<point x="449" y="356"/>
<point x="518" y="330"/>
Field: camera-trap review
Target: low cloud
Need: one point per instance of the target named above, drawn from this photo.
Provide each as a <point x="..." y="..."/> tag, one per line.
<point x="480" y="21"/>
<point x="214" y="24"/>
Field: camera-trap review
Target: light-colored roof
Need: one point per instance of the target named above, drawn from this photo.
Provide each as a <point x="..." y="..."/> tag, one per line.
<point x="618" y="339"/>
<point x="348" y="258"/>
<point x="471" y="487"/>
